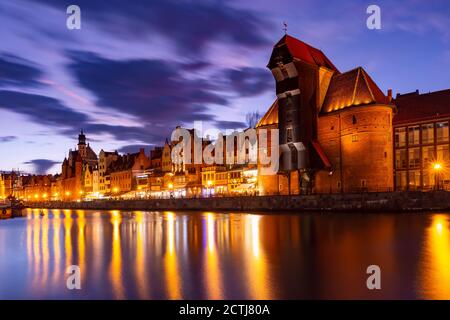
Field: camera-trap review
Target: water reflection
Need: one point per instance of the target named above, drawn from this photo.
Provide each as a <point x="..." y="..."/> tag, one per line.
<point x="168" y="255"/>
<point x="435" y="270"/>
<point x="116" y="259"/>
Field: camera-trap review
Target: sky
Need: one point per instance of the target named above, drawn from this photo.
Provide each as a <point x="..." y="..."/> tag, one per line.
<point x="136" y="69"/>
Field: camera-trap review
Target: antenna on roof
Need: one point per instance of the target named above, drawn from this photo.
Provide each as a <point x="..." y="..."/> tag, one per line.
<point x="285" y="26"/>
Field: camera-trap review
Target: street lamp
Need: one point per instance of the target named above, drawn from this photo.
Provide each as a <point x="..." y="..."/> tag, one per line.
<point x="437" y="167"/>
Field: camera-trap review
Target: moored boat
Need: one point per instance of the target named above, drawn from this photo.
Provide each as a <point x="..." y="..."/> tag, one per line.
<point x="13" y="209"/>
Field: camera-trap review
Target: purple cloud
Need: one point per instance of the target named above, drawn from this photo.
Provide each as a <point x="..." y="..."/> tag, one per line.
<point x="190" y="25"/>
<point x="17" y="71"/>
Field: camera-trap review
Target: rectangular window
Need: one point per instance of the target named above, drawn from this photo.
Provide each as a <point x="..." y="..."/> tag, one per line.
<point x="414" y="180"/>
<point x="442" y="131"/>
<point x="400" y="159"/>
<point x="414" y="158"/>
<point x="413" y="135"/>
<point x="428" y="157"/>
<point x="442" y="154"/>
<point x="400" y="180"/>
<point x="428" y="179"/>
<point x="400" y="137"/>
<point x="428" y="133"/>
<point x="289" y="135"/>
<point x="354" y="138"/>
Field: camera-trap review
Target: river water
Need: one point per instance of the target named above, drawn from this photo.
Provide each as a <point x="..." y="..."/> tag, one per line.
<point x="213" y="255"/>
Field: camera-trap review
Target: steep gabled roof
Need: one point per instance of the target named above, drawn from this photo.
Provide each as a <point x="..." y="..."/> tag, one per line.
<point x="270" y="117"/>
<point x="418" y="107"/>
<point x="352" y="88"/>
<point x="303" y="51"/>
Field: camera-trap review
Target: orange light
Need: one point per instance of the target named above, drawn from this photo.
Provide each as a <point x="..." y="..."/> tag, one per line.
<point x="437" y="166"/>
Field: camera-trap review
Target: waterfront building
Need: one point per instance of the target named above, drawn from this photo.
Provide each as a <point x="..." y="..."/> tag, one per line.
<point x="104" y="178"/>
<point x="125" y="170"/>
<point x="156" y="157"/>
<point x="421" y="136"/>
<point x="326" y="120"/>
<point x="156" y="178"/>
<point x="214" y="181"/>
<point x="166" y="158"/>
<point x="55" y="188"/>
<point x="74" y="169"/>
<point x="37" y="187"/>
<point x="7" y="181"/>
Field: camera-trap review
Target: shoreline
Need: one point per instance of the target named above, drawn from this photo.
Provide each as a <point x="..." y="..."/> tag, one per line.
<point x="352" y="202"/>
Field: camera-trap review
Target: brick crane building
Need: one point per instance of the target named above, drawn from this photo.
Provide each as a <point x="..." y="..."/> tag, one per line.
<point x="335" y="128"/>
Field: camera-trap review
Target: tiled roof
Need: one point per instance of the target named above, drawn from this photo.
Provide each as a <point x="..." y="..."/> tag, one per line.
<point x="123" y="163"/>
<point x="270" y="117"/>
<point x="416" y="107"/>
<point x="352" y="88"/>
<point x="305" y="52"/>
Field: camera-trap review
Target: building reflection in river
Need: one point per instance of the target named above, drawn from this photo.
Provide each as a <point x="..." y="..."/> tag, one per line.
<point x="168" y="255"/>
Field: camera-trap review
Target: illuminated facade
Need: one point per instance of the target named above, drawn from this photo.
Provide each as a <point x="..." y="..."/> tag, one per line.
<point x="126" y="169"/>
<point x="421" y="135"/>
<point x="327" y="120"/>
<point x="74" y="168"/>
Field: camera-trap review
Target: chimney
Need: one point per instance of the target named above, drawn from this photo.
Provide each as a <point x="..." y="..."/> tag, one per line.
<point x="389" y="95"/>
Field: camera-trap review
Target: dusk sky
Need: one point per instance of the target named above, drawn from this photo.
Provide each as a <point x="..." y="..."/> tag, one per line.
<point x="136" y="69"/>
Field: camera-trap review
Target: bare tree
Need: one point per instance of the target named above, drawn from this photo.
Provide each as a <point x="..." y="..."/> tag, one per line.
<point x="252" y="118"/>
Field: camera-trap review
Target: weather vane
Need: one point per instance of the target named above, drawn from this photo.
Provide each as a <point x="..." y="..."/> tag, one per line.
<point x="285" y="27"/>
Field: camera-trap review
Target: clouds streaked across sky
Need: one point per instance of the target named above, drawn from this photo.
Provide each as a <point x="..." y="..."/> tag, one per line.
<point x="137" y="69"/>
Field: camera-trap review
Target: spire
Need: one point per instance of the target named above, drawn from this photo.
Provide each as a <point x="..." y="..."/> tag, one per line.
<point x="81" y="138"/>
<point x="285" y="27"/>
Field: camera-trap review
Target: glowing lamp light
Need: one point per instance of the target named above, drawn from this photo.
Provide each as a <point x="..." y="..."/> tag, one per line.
<point x="170" y="186"/>
<point x="209" y="183"/>
<point x="116" y="190"/>
<point x="36" y="196"/>
<point x="439" y="228"/>
<point x="45" y="195"/>
<point x="437" y="166"/>
<point x="67" y="193"/>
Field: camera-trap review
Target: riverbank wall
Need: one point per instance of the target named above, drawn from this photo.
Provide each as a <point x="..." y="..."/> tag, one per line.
<point x="357" y="202"/>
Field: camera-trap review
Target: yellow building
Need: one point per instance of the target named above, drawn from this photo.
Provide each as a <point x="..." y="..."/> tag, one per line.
<point x="214" y="181"/>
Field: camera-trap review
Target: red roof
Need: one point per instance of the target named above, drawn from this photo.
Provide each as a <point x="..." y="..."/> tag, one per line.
<point x="417" y="107"/>
<point x="305" y="52"/>
<point x="352" y="88"/>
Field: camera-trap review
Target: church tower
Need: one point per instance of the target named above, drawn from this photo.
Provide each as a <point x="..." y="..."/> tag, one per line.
<point x="82" y="149"/>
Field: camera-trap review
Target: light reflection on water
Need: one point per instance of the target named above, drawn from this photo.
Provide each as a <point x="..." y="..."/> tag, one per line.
<point x="194" y="255"/>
